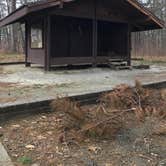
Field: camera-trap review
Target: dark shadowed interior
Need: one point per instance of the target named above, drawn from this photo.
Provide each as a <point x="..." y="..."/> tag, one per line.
<point x="112" y="39"/>
<point x="71" y="37"/>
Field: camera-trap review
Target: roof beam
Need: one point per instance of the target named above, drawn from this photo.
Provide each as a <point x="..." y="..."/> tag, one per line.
<point x="146" y="12"/>
<point x="12" y="17"/>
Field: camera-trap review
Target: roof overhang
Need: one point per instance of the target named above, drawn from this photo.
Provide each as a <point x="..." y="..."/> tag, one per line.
<point x="14" y="16"/>
<point x="23" y="11"/>
<point x="151" y="21"/>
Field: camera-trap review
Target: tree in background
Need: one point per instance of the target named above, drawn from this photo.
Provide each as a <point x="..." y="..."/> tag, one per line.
<point x="12" y="36"/>
<point x="151" y="43"/>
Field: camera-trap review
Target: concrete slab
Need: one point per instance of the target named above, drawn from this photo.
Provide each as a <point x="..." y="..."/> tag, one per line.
<point x="4" y="158"/>
<point x="21" y="85"/>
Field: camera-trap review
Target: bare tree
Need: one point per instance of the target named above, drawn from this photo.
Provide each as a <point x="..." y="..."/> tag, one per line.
<point x="152" y="42"/>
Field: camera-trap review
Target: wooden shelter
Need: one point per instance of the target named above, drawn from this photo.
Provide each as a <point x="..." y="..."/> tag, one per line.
<point x="60" y="32"/>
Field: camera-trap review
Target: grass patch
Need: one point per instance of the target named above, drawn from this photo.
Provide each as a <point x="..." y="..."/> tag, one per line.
<point x="25" y="160"/>
<point x="11" y="57"/>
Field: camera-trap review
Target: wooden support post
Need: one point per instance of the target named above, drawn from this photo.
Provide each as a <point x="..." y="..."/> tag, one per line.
<point x="27" y="64"/>
<point x="129" y="46"/>
<point x="47" y="28"/>
<point x="94" y="38"/>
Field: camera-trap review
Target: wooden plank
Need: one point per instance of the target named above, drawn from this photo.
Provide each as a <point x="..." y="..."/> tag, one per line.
<point x="47" y="39"/>
<point x="84" y="13"/>
<point x="82" y="60"/>
<point x="129" y="45"/>
<point x="146" y="12"/>
<point x="46" y="4"/>
<point x="27" y="64"/>
<point x="71" y="60"/>
<point x="95" y="33"/>
<point x="14" y="17"/>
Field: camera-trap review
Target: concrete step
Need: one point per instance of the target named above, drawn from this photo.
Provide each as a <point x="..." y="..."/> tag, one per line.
<point x="118" y="63"/>
<point x="124" y="67"/>
<point x="4" y="157"/>
<point x="117" y="60"/>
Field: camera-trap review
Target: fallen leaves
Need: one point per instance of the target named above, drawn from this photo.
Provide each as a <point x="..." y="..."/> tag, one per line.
<point x="160" y="128"/>
<point x="71" y="136"/>
<point x="94" y="149"/>
<point x="30" y="147"/>
<point x="40" y="137"/>
<point x="108" y="164"/>
<point x="15" y="126"/>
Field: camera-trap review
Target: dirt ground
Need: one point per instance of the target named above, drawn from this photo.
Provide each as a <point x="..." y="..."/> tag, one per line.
<point x="35" y="140"/>
<point x="139" y="140"/>
<point x="19" y="84"/>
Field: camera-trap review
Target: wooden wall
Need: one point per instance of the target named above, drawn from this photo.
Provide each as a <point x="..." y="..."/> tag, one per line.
<point x="106" y="10"/>
<point x="35" y="55"/>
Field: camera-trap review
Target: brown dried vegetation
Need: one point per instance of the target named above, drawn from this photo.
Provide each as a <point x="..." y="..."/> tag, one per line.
<point x="83" y="122"/>
<point x="146" y="102"/>
<point x="108" y="117"/>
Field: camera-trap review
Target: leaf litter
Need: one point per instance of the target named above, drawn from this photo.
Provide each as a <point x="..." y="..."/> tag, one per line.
<point x="126" y="127"/>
